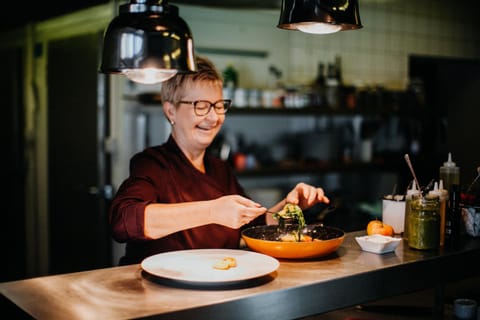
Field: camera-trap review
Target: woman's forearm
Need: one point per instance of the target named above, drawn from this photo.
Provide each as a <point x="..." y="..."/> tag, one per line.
<point x="163" y="219"/>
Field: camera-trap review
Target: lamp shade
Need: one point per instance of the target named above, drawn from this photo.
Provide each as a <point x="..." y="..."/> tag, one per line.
<point x="148" y="42"/>
<point x="319" y="16"/>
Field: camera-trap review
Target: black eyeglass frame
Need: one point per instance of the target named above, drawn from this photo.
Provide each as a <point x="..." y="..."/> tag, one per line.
<point x="226" y="103"/>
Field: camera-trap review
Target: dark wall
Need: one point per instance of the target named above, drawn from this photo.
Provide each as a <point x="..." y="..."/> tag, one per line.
<point x="79" y="237"/>
<point x="452" y="113"/>
<point x="13" y="169"/>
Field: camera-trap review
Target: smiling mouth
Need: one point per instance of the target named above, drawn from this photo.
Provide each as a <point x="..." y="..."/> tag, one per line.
<point x="205" y="128"/>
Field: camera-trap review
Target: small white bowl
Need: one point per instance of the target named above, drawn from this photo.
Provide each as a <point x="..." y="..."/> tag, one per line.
<point x="377" y="243"/>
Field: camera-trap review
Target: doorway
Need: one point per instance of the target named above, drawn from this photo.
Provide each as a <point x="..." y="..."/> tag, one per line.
<point x="79" y="169"/>
<point x="13" y="164"/>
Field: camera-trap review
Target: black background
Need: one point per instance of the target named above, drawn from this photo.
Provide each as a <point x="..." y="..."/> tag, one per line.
<point x="15" y="14"/>
<point x="18" y="13"/>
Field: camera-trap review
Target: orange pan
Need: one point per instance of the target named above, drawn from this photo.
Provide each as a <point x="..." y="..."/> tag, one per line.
<point x="266" y="240"/>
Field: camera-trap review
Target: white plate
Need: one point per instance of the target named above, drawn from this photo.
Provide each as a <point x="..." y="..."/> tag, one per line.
<point x="377" y="243"/>
<point x="196" y="266"/>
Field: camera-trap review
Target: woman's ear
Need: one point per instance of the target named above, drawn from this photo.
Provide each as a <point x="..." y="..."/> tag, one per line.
<point x="169" y="110"/>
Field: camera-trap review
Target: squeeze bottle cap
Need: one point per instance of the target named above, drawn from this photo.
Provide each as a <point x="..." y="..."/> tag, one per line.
<point x="441" y="187"/>
<point x="443" y="191"/>
<point x="435" y="190"/>
<point x="449" y="162"/>
<point x="413" y="189"/>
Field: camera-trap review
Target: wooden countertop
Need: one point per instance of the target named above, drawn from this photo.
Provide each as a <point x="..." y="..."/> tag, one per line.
<point x="298" y="288"/>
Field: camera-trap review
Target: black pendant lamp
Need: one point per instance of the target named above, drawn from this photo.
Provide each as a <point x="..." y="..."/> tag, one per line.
<point x="319" y="16"/>
<point x="148" y="42"/>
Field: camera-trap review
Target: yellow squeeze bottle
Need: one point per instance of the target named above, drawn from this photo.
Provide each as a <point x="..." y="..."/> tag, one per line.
<point x="442" y="194"/>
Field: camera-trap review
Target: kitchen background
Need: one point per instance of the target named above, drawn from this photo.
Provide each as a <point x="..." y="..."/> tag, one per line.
<point x="69" y="132"/>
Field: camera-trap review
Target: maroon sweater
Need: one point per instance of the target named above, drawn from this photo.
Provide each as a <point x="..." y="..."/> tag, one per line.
<point x="163" y="174"/>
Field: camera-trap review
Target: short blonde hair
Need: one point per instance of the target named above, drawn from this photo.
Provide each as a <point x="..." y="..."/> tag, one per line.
<point x="173" y="89"/>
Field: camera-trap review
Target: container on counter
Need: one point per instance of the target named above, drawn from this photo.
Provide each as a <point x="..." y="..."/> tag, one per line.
<point x="465" y="309"/>
<point x="471" y="220"/>
<point x="449" y="173"/>
<point x="442" y="194"/>
<point x="424" y="222"/>
<point x="393" y="212"/>
<point x="412" y="192"/>
<point x="470" y="204"/>
<point x="453" y="217"/>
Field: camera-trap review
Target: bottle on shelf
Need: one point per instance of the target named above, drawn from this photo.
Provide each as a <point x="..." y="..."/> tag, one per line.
<point x="320" y="79"/>
<point x="338" y="70"/>
<point x="332" y="86"/>
<point x="318" y="94"/>
<point x="449" y="173"/>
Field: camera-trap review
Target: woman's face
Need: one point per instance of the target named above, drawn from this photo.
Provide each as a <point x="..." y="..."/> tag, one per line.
<point x="192" y="132"/>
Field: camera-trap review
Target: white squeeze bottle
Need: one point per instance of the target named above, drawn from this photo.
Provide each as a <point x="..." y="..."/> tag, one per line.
<point x="442" y="194"/>
<point x="412" y="192"/>
<point x="449" y="173"/>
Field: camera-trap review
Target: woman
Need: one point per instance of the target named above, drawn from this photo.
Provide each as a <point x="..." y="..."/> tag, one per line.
<point x="178" y="197"/>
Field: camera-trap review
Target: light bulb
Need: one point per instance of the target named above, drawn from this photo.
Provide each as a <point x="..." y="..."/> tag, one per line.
<point x="149" y="75"/>
<point x="318" y="28"/>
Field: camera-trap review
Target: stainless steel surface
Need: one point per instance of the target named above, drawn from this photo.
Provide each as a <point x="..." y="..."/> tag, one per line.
<point x="299" y="288"/>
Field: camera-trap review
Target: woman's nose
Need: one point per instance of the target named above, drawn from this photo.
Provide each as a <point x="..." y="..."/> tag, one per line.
<point x="212" y="114"/>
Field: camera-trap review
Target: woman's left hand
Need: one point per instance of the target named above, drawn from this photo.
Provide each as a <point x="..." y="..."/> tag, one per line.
<point x="306" y="195"/>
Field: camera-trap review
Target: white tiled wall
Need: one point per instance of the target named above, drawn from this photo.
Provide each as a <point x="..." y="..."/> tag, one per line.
<point x="374" y="55"/>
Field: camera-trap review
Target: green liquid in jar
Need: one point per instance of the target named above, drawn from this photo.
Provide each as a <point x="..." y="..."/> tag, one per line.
<point x="424" y="223"/>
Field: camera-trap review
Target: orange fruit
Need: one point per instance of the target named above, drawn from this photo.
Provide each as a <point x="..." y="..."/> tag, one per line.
<point x="378" y="227"/>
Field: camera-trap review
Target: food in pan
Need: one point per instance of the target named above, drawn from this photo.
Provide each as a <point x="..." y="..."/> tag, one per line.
<point x="291" y="216"/>
<point x="292" y="237"/>
<point x="269" y="240"/>
<point x="290" y="211"/>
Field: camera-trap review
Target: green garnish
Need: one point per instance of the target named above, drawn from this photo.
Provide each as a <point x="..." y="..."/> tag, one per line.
<point x="294" y="212"/>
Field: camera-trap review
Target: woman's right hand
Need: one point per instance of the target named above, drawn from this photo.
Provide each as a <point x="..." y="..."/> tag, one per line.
<point x="234" y="211"/>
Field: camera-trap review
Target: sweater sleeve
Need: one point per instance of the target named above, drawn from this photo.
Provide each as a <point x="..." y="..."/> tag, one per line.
<point x="127" y="210"/>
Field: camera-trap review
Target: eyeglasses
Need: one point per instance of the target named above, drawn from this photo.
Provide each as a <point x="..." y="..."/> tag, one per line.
<point x="203" y="107"/>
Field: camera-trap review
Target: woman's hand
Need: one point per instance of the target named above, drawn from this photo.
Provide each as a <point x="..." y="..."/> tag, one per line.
<point x="306" y="196"/>
<point x="234" y="211"/>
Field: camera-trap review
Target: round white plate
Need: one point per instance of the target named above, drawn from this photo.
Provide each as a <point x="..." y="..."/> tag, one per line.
<point x="196" y="265"/>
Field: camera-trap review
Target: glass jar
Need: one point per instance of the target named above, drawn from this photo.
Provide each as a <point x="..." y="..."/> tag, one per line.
<point x="424" y="222"/>
<point x="408" y="203"/>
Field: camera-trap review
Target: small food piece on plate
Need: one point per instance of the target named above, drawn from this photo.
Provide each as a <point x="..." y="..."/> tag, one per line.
<point x="225" y="264"/>
<point x="221" y="265"/>
<point x="231" y="261"/>
<point x="378" y="227"/>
